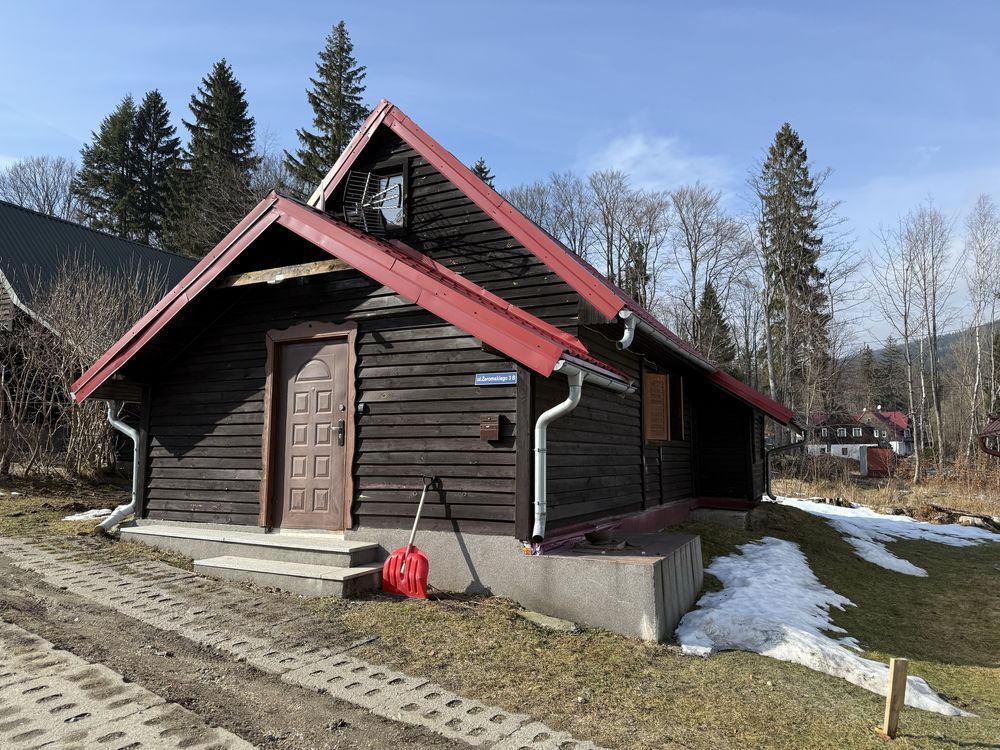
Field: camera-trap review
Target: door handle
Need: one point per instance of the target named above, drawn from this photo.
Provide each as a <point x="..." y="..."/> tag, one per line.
<point x="340" y="432"/>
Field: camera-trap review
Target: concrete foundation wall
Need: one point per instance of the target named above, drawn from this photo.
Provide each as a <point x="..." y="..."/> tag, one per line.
<point x="639" y="595"/>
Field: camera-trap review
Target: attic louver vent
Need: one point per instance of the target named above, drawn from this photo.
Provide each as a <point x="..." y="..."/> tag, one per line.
<point x="373" y="202"/>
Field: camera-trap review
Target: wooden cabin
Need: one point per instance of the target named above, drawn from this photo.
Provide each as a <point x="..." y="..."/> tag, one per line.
<point x="408" y="321"/>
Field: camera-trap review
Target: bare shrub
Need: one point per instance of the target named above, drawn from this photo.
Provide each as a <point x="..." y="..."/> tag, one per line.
<point x="77" y="317"/>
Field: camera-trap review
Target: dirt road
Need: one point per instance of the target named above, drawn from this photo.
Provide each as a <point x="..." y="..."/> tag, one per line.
<point x="236" y="697"/>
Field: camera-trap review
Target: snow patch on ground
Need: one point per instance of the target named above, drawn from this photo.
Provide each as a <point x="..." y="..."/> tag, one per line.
<point x="868" y="532"/>
<point x="774" y="605"/>
<point x="89" y="515"/>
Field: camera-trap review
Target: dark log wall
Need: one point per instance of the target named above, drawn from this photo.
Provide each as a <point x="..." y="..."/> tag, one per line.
<point x="758" y="455"/>
<point x="414" y="374"/>
<point x="599" y="464"/>
<point x="722" y="446"/>
<point x="451" y="229"/>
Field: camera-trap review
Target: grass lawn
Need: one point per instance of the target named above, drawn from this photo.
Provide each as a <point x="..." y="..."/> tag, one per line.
<point x="622" y="693"/>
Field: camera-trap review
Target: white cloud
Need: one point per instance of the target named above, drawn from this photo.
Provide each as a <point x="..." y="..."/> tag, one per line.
<point x="655" y="161"/>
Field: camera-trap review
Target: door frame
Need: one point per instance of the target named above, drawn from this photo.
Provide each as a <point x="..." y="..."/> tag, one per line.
<point x="298" y="334"/>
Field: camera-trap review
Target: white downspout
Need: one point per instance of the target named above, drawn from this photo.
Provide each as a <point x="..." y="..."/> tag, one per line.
<point x="576" y="377"/>
<point x="128" y="509"/>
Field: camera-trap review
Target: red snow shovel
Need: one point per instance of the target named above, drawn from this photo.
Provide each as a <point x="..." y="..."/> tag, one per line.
<point x="405" y="572"/>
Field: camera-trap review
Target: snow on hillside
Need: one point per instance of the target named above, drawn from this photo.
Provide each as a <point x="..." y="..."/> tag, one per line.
<point x="868" y="532"/>
<point x="772" y="604"/>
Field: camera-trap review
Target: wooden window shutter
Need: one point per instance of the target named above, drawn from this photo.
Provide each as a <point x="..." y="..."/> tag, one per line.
<point x="654" y="406"/>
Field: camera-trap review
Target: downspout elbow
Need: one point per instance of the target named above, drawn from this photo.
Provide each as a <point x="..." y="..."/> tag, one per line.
<point x="123" y="511"/>
<point x="631" y="320"/>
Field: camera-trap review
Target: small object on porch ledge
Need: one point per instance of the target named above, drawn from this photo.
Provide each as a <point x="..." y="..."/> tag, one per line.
<point x="405" y="571"/>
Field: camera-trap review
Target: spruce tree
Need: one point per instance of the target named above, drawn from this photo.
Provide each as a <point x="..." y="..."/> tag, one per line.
<point x="212" y="188"/>
<point x="157" y="150"/>
<point x="483" y="172"/>
<point x="106" y="184"/>
<point x="715" y="337"/>
<point x="869" y="377"/>
<point x="338" y="109"/>
<point x="792" y="244"/>
<point x="891" y="377"/>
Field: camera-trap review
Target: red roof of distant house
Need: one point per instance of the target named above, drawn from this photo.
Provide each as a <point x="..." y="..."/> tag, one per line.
<point x="896" y="418"/>
<point x="439" y="290"/>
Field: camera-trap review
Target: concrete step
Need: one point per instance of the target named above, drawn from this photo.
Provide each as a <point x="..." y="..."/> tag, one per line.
<point x="299" y="578"/>
<point x="202" y="543"/>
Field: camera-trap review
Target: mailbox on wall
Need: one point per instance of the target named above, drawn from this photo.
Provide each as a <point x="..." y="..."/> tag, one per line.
<point x="489" y="427"/>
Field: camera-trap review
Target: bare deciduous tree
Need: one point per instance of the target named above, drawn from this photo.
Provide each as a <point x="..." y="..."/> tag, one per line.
<point x="43" y="184"/>
<point x="982" y="259"/>
<point x="77" y="317"/>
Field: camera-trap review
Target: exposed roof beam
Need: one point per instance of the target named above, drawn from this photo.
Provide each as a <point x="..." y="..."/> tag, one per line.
<point x="276" y="275"/>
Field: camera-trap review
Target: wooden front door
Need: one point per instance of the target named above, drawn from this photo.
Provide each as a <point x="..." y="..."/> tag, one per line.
<point x="313" y="421"/>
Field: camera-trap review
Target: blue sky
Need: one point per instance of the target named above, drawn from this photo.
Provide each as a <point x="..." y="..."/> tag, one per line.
<point x="899" y="98"/>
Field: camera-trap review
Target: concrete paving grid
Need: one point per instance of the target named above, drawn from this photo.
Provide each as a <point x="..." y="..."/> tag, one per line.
<point x="179" y="602"/>
<point x="53" y="699"/>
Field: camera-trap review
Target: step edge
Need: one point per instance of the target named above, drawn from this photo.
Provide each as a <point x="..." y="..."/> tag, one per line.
<point x="296" y="570"/>
<point x="336" y="546"/>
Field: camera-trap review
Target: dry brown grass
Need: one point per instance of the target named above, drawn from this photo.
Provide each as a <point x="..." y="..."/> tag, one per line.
<point x="959" y="491"/>
<point x="629" y="695"/>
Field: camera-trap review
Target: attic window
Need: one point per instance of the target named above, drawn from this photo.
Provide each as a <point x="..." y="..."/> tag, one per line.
<point x="375" y="202"/>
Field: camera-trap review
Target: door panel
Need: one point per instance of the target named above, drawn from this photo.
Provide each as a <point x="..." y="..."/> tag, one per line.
<point x="312" y="420"/>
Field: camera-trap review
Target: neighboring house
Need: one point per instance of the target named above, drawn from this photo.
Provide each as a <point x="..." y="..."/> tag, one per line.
<point x="845" y="435"/>
<point x="408" y="321"/>
<point x="35" y="246"/>
<point x="893" y="427"/>
<point x="34" y="249"/>
<point x="841" y="435"/>
<point x="991" y="433"/>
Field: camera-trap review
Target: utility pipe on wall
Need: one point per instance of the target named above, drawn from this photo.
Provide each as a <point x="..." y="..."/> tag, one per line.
<point x="122" y="511"/>
<point x="576" y="377"/>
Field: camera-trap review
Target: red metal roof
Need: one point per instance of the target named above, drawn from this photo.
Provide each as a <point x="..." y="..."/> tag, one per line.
<point x="600" y="293"/>
<point x="506" y="327"/>
<point x="753" y="397"/>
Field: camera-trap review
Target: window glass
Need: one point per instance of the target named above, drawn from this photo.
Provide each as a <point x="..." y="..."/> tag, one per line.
<point x="390" y="187"/>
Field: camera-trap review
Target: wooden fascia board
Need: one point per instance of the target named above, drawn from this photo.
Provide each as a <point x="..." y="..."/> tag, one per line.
<point x="282" y="273"/>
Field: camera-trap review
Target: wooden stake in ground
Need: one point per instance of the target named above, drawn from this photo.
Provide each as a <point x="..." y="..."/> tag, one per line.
<point x="894" y="696"/>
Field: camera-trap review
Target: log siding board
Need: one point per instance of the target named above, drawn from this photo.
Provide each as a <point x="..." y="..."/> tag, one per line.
<point x="448" y="227"/>
<point x="414" y="375"/>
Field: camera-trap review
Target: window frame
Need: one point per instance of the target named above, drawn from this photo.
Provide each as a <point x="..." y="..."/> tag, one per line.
<point x="399" y="167"/>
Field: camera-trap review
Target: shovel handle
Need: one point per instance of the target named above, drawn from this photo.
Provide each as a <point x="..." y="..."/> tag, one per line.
<point x="428" y="481"/>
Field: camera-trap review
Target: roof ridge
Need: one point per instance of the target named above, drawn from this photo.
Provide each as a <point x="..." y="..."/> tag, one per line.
<point x="84" y="227"/>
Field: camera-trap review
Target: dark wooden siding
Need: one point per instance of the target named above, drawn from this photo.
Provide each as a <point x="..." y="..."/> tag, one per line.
<point x="594" y="452"/>
<point x="758" y="455"/>
<point x="444" y="224"/>
<point x="414" y="374"/>
<point x="722" y="446"/>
